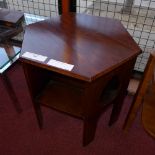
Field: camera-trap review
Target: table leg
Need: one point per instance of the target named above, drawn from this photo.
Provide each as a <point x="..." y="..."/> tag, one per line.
<point x="116" y="110"/>
<point x="90" y="114"/>
<point x="118" y="102"/>
<point x="39" y="114"/>
<point x="11" y="92"/>
<point x="89" y="130"/>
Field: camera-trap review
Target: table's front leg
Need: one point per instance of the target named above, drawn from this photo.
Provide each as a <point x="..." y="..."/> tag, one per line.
<point x="36" y="79"/>
<point x="90" y="115"/>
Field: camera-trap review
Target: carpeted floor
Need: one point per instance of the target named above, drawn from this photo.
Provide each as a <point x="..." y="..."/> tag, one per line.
<point x="62" y="134"/>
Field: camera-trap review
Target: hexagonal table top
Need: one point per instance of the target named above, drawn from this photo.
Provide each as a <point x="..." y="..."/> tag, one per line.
<point x="94" y="45"/>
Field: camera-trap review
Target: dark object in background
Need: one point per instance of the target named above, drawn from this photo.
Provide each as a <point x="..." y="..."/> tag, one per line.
<point x="72" y="7"/>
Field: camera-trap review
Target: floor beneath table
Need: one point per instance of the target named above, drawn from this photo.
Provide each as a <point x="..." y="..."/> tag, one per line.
<point x="62" y="134"/>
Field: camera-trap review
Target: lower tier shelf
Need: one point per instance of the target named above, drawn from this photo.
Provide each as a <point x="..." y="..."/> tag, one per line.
<point x="62" y="98"/>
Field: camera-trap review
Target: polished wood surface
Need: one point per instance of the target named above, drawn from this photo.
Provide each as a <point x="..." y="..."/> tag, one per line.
<point x="95" y="47"/>
<point x="141" y="92"/>
<point x="148" y="111"/>
<point x="102" y="63"/>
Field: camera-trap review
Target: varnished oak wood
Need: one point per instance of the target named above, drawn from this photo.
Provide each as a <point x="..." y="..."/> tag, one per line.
<point x="140" y="95"/>
<point x="96" y="48"/>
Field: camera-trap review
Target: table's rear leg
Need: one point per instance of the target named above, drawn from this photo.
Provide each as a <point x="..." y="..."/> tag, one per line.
<point x="118" y="102"/>
<point x="116" y="111"/>
<point x="38" y="113"/>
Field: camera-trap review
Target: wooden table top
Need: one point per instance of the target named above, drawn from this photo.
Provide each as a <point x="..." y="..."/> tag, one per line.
<point x="94" y="45"/>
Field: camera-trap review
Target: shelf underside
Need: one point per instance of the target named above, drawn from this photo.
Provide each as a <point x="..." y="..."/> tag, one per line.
<point x="62" y="98"/>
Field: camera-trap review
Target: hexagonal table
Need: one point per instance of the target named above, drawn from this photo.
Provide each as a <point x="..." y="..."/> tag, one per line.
<point x="78" y="64"/>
